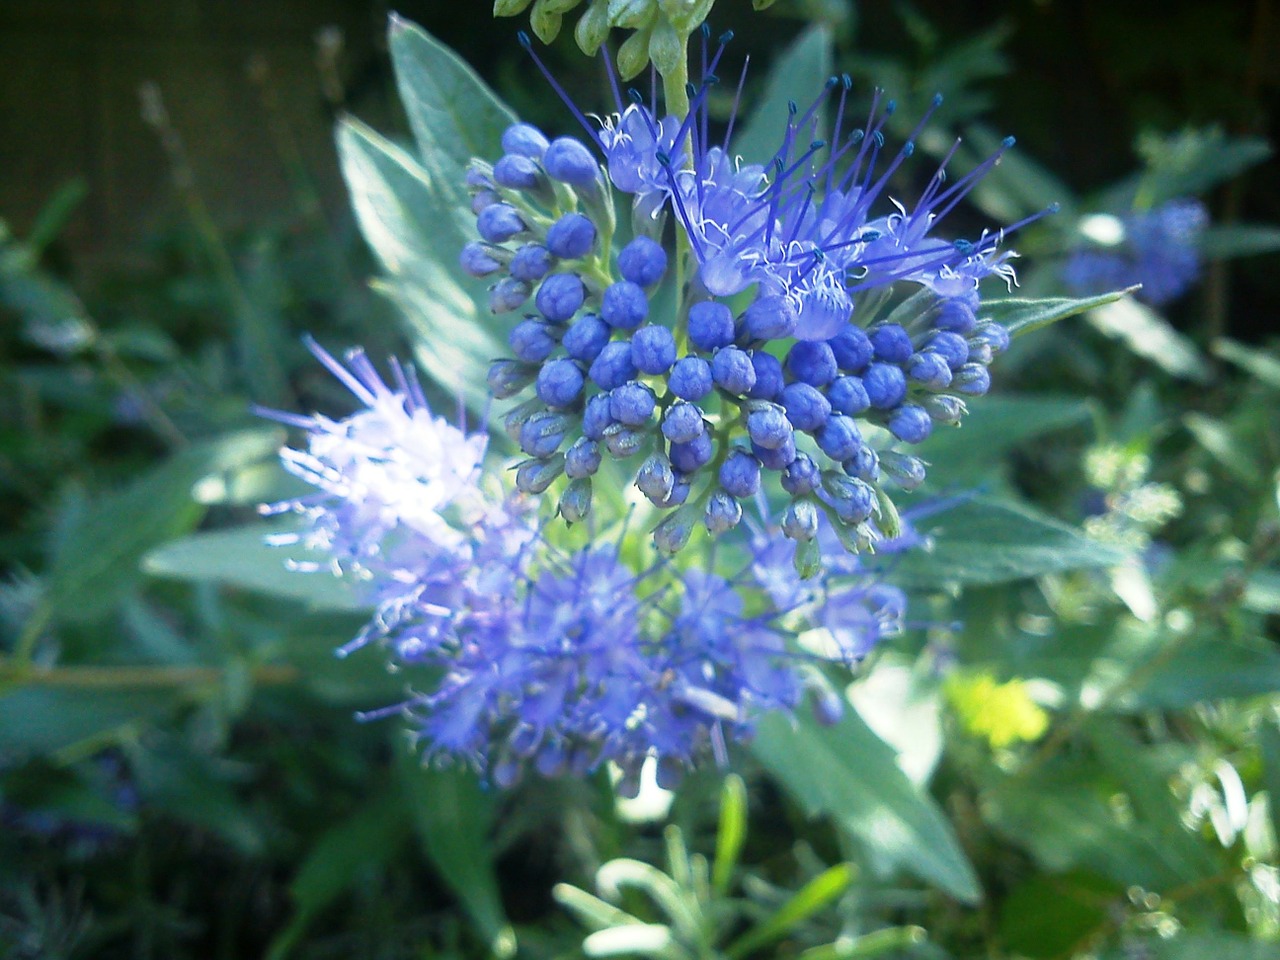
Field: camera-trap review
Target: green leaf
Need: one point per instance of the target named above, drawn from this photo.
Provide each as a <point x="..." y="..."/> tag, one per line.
<point x="1269" y="747"/>
<point x="453" y="114"/>
<point x="982" y="541"/>
<point x="1193" y="161"/>
<point x="242" y="559"/>
<point x="37" y="720"/>
<point x="848" y="773"/>
<point x="1262" y="365"/>
<point x="1183" y="672"/>
<point x="1237" y="457"/>
<point x="798" y="74"/>
<point x="1024" y="316"/>
<point x="453" y="819"/>
<point x="1018" y="186"/>
<point x="967" y="454"/>
<point x="97" y="556"/>
<point x="732" y="832"/>
<point x="1239" y="240"/>
<point x="1150" y="336"/>
<point x="1056" y="915"/>
<point x="414" y="225"/>
<point x="364" y="842"/>
<point x="808" y="900"/>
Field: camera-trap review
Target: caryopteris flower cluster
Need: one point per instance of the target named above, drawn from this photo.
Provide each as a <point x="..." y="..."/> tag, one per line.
<point x="547" y="657"/>
<point x="745" y="356"/>
<point x="793" y="353"/>
<point x="1157" y="248"/>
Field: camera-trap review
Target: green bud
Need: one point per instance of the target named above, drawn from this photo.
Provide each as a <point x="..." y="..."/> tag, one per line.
<point x="632" y="14"/>
<point x="665" y="48"/>
<point x="575" y="502"/>
<point x="509" y="8"/>
<point x="633" y="55"/>
<point x="515" y="417"/>
<point x="888" y="521"/>
<point x="671" y="535"/>
<point x="808" y="559"/>
<point x="903" y="469"/>
<point x="593" y="27"/>
<point x="545" y="23"/>
<point x="686" y="15"/>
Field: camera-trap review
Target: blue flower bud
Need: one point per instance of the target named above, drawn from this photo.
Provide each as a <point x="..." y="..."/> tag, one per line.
<point x="776" y="458"/>
<point x="807" y="409"/>
<point x="864" y="464"/>
<point x="690" y="457"/>
<point x="848" y="395"/>
<point x="980" y="352"/>
<point x="768" y="426"/>
<point x="508" y="377"/>
<point x="506" y="773"/>
<point x="892" y="343"/>
<point x="624" y="305"/>
<point x="632" y="403"/>
<point x="524" y="139"/>
<point x="560" y="296"/>
<point x="586" y="337"/>
<point x="853" y="499"/>
<point x="839" y="438"/>
<point x="944" y="408"/>
<point x="732" y="371"/>
<point x="903" y="469"/>
<point x="812" y="361"/>
<point x="542" y="434"/>
<point x="678" y="495"/>
<point x="973" y="380"/>
<point x="531" y="263"/>
<point x="571" y="237"/>
<point x="575" y="502"/>
<point x="613" y="367"/>
<point x="682" y="423"/>
<point x="740" y="474"/>
<point x="517" y="173"/>
<point x="655" y="478"/>
<point x="886" y="385"/>
<point x="769" y="318"/>
<point x="951" y="347"/>
<point x="499" y="222"/>
<point x="723" y="513"/>
<point x="671" y="535"/>
<point x="534" y="476"/>
<point x="642" y="261"/>
<point x="596" y="417"/>
<point x="769" y="378"/>
<point x="507" y="295"/>
<point x="955" y="315"/>
<point x="569" y="161"/>
<point x="801" y="477"/>
<point x="513" y="420"/>
<point x="560" y="383"/>
<point x="852" y="349"/>
<point x="800" y="520"/>
<point x="930" y="370"/>
<point x="583" y="458"/>
<point x="477" y="261"/>
<point x="622" y="442"/>
<point x="532" y="340"/>
<point x="988" y="331"/>
<point x="476" y="178"/>
<point x="653" y="349"/>
<point x="483" y="200"/>
<point x="910" y="423"/>
<point x="710" y="325"/>
<point x="690" y="378"/>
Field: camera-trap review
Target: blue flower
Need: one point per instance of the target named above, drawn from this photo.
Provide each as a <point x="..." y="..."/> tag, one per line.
<point x="1158" y="248"/>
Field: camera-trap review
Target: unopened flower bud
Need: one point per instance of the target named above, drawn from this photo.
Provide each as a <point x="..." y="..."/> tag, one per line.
<point x="575" y="502"/>
<point x="723" y="513"/>
<point x="800" y="520"/>
<point x="534" y="476"/>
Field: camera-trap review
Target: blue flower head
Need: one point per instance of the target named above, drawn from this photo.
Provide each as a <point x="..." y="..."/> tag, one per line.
<point x="821" y="318"/>
<point x="1157" y="248"/>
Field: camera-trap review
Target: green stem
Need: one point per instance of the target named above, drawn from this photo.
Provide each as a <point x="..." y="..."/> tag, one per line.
<point x="135" y="677"/>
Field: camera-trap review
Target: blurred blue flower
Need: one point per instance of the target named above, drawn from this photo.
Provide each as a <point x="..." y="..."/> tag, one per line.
<point x="1158" y="248"/>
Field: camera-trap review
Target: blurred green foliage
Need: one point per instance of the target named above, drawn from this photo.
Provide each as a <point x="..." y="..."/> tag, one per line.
<point x="1076" y="754"/>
